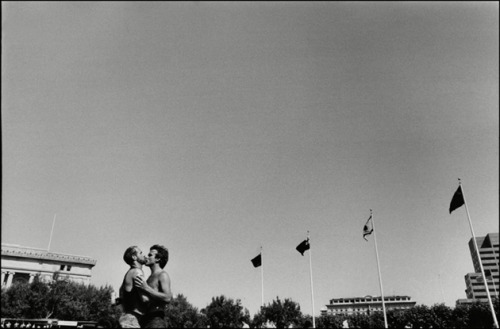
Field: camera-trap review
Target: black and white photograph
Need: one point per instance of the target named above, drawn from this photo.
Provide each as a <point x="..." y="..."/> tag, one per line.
<point x="250" y="164"/>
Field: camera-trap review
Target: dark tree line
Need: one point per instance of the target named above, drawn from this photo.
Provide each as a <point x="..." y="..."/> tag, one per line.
<point x="65" y="300"/>
<point x="421" y="316"/>
<point x="57" y="300"/>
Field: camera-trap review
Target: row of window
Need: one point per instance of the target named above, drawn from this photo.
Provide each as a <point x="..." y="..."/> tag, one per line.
<point x="481" y="284"/>
<point x="371" y="309"/>
<point x="358" y="310"/>
<point x="351" y="301"/>
<point x="488" y="258"/>
<point x="63" y="267"/>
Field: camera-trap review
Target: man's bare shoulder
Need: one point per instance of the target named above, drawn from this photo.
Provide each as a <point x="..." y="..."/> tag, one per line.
<point x="164" y="278"/>
<point x="133" y="272"/>
<point x="158" y="276"/>
<point x="162" y="275"/>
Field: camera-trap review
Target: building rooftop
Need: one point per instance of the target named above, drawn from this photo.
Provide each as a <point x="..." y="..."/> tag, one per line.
<point x="369" y="298"/>
<point x="487" y="241"/>
<point x="14" y="250"/>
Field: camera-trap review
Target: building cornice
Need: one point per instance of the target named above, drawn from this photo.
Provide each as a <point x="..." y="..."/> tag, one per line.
<point x="27" y="252"/>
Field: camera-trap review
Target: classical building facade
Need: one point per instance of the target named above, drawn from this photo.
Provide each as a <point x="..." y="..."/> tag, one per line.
<point x="24" y="263"/>
<point x="366" y="305"/>
<point x="474" y="282"/>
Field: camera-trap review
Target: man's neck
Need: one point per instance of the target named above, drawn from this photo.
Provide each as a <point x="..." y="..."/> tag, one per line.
<point x="155" y="268"/>
<point x="136" y="265"/>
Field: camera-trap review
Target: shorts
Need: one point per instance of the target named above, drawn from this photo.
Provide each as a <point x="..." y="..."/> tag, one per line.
<point x="155" y="319"/>
<point x="128" y="320"/>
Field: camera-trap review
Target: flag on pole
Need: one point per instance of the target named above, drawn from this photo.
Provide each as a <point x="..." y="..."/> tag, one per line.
<point x="303" y="246"/>
<point x="368" y="228"/>
<point x="458" y="199"/>
<point x="257" y="261"/>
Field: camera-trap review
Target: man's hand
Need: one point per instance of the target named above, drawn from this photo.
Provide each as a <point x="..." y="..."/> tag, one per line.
<point x="140" y="283"/>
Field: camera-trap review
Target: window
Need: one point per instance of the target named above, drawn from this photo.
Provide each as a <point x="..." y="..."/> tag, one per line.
<point x="21" y="278"/>
<point x="62" y="267"/>
<point x="69" y="268"/>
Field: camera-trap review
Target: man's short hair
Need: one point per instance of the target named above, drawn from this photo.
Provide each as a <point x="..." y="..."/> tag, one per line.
<point x="162" y="254"/>
<point x="129" y="254"/>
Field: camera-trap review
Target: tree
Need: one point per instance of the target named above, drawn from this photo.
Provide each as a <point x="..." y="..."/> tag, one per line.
<point x="75" y="301"/>
<point x="258" y="320"/>
<point x="330" y="321"/>
<point x="58" y="299"/>
<point x="480" y="316"/>
<point x="181" y="314"/>
<point x="477" y="315"/>
<point x="224" y="312"/>
<point x="460" y="315"/>
<point x="420" y="317"/>
<point x="360" y="321"/>
<point x="441" y="316"/>
<point x="305" y="321"/>
<point x="15" y="300"/>
<point x="397" y="318"/>
<point x="282" y="314"/>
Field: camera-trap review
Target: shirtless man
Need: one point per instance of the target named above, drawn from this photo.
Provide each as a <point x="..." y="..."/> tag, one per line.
<point x="132" y="298"/>
<point x="156" y="288"/>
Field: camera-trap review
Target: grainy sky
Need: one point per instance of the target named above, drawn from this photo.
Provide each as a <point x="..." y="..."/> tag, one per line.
<point x="215" y="128"/>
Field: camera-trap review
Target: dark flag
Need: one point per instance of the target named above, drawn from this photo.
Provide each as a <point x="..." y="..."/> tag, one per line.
<point x="303" y="246"/>
<point x="457" y="200"/>
<point x="368" y="228"/>
<point x="257" y="261"/>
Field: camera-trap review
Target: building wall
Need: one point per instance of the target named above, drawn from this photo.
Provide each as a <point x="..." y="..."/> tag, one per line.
<point x="366" y="305"/>
<point x="489" y="252"/>
<point x="24" y="263"/>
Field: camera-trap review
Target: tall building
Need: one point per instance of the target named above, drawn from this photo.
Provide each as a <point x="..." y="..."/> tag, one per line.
<point x="488" y="251"/>
<point x="366" y="305"/>
<point x="24" y="263"/>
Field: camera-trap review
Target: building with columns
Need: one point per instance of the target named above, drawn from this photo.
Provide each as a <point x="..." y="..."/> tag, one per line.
<point x="22" y="264"/>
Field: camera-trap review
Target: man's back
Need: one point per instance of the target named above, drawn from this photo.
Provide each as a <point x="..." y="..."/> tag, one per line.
<point x="133" y="300"/>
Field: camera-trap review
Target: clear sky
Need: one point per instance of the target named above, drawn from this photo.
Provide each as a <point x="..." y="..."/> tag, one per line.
<point x="218" y="128"/>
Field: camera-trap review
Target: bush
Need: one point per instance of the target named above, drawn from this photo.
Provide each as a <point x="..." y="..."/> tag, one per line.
<point x="64" y="300"/>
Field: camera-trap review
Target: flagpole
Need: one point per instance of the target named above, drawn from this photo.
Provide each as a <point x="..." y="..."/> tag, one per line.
<point x="479" y="257"/>
<point x="311" y="273"/>
<point x="494" y="286"/>
<point x="262" y="274"/>
<point x="378" y="266"/>
<point x="51" y="231"/>
<point x="441" y="287"/>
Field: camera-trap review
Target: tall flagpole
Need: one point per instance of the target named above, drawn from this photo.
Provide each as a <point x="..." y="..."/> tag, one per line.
<point x="378" y="266"/>
<point x="51" y="231"/>
<point x="311" y="273"/>
<point x="441" y="287"/>
<point x="262" y="274"/>
<point x="479" y="258"/>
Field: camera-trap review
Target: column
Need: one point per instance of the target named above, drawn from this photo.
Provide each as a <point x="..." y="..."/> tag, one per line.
<point x="3" y="277"/>
<point x="9" y="278"/>
<point x="32" y="277"/>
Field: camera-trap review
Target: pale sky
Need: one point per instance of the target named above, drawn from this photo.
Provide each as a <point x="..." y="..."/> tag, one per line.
<point x="217" y="128"/>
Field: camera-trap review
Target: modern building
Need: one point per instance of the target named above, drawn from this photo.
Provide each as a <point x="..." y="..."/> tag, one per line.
<point x="474" y="282"/>
<point x="366" y="305"/>
<point x="24" y="263"/>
